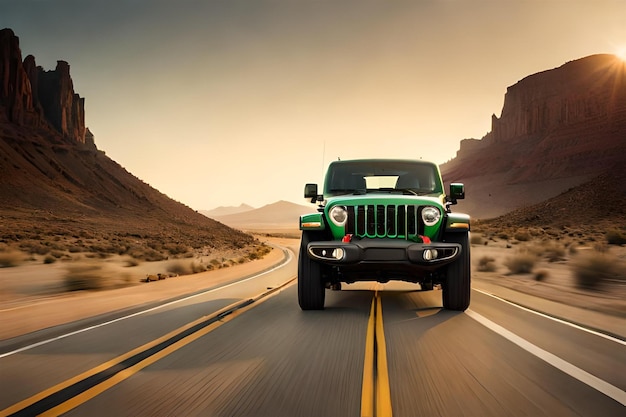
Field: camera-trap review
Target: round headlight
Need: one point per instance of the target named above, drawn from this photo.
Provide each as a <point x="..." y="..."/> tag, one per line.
<point x="338" y="215"/>
<point x="430" y="215"/>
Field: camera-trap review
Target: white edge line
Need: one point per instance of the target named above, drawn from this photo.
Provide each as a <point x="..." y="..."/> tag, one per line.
<point x="573" y="371"/>
<point x="106" y="323"/>
<point x="558" y="320"/>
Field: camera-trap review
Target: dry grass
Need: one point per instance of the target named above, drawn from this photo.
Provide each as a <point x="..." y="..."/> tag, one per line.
<point x="541" y="275"/>
<point x="10" y="258"/>
<point x="594" y="270"/>
<point x="487" y="264"/>
<point x="522" y="236"/>
<point x="84" y="276"/>
<point x="521" y="263"/>
<point x="93" y="275"/>
<point x="476" y="239"/>
<point x="180" y="268"/>
<point x="616" y="237"/>
<point x="550" y="250"/>
<point x="49" y="259"/>
<point x="197" y="267"/>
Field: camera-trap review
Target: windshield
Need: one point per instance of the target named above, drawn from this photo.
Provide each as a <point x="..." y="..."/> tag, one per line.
<point x="357" y="177"/>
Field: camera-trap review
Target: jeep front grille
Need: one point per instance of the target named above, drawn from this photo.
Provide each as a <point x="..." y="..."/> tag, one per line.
<point x="385" y="221"/>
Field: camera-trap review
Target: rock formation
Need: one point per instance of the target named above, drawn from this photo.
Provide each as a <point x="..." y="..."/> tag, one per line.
<point x="558" y="128"/>
<point x="54" y="182"/>
<point x="32" y="97"/>
<point x="589" y="89"/>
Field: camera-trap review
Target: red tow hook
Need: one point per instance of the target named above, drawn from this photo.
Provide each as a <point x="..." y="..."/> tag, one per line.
<point x="347" y="238"/>
<point x="425" y="239"/>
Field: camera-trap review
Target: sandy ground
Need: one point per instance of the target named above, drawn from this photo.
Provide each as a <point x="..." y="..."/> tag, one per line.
<point x="32" y="296"/>
<point x="558" y="282"/>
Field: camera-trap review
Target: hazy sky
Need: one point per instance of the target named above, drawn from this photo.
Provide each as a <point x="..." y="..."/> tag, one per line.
<point x="224" y="102"/>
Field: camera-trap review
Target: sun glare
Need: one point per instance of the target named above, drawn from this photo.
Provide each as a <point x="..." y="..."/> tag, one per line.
<point x="621" y="53"/>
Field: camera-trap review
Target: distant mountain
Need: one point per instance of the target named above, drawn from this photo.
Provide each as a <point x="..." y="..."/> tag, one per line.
<point x="226" y="210"/>
<point x="282" y="215"/>
<point x="56" y="184"/>
<point x="558" y="129"/>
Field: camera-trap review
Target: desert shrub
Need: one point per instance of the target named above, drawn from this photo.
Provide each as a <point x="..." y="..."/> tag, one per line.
<point x="521" y="263"/>
<point x="179" y="268"/>
<point x="197" y="267"/>
<point x="593" y="270"/>
<point x="522" y="236"/>
<point x="265" y="249"/>
<point x="86" y="234"/>
<point x="49" y="259"/>
<point x="147" y="254"/>
<point x="503" y="235"/>
<point x="176" y="248"/>
<point x="541" y="275"/>
<point x="97" y="255"/>
<point x="156" y="245"/>
<point x="84" y="277"/>
<point x="39" y="249"/>
<point x="552" y="251"/>
<point x="476" y="239"/>
<point x="57" y="254"/>
<point x="487" y="264"/>
<point x="11" y="258"/>
<point x="130" y="262"/>
<point x="616" y="237"/>
<point x="75" y="249"/>
<point x="259" y="252"/>
<point x="573" y="249"/>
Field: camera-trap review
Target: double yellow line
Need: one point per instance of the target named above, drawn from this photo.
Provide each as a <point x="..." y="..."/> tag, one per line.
<point x="191" y="332"/>
<point x="375" y="394"/>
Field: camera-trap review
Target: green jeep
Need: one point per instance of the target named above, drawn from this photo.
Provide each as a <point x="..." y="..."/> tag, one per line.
<point x="381" y="220"/>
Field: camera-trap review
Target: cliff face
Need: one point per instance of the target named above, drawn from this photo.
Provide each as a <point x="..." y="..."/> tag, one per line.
<point x="32" y="97"/>
<point x="54" y="182"/>
<point x="591" y="89"/>
<point x="558" y="128"/>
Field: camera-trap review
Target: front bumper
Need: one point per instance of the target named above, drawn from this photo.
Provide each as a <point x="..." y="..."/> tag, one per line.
<point x="383" y="251"/>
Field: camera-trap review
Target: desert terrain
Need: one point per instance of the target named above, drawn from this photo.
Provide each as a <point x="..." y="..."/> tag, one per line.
<point x="567" y="272"/>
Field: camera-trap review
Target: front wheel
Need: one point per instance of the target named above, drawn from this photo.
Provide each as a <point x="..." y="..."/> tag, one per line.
<point x="311" y="290"/>
<point x="457" y="285"/>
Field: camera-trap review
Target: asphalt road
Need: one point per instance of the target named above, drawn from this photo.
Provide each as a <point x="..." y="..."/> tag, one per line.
<point x="263" y="356"/>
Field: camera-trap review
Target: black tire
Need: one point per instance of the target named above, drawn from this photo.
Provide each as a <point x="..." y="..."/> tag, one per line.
<point x="311" y="290"/>
<point x="457" y="286"/>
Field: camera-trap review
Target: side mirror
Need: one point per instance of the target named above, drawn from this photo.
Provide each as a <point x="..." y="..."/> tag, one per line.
<point x="310" y="191"/>
<point x="457" y="192"/>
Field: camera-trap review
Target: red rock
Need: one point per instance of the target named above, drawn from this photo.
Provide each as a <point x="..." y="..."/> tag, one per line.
<point x="33" y="97"/>
<point x="558" y="128"/>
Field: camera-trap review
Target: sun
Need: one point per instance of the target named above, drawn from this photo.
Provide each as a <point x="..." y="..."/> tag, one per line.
<point x="621" y="53"/>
